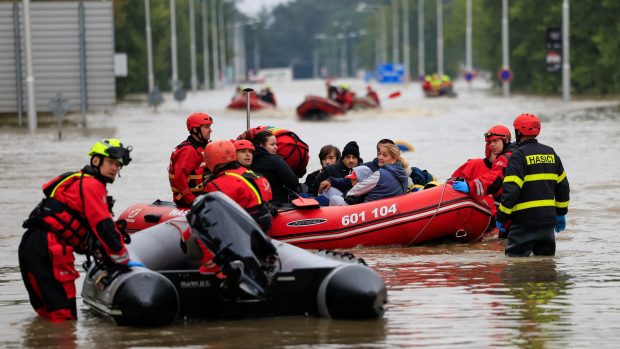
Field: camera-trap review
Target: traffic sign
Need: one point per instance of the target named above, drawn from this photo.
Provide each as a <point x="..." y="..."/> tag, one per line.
<point x="505" y="74"/>
<point x="554" y="61"/>
<point x="469" y="76"/>
<point x="390" y="73"/>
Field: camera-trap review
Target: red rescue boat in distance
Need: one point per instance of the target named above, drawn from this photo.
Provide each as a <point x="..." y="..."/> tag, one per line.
<point x="403" y="220"/>
<point x="318" y="108"/>
<point x="239" y="102"/>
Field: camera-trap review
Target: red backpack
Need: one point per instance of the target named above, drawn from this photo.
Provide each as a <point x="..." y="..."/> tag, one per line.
<point x="291" y="148"/>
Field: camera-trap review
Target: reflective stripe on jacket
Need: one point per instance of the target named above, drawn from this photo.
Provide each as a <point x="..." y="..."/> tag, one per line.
<point x="535" y="186"/>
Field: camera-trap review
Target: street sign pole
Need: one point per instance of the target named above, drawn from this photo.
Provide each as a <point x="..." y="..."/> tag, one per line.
<point x="505" y="58"/>
<point x="565" y="51"/>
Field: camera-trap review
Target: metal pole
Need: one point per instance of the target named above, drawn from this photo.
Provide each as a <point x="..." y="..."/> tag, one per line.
<point x="421" y="58"/>
<point x="256" y="52"/>
<point x="149" y="45"/>
<point x="468" y="39"/>
<point x="222" y="33"/>
<point x="83" y="75"/>
<point x="205" y="45"/>
<point x="214" y="42"/>
<point x="18" y="63"/>
<point x="505" y="58"/>
<point x="440" y="37"/>
<point x="315" y="63"/>
<point x="395" y="48"/>
<point x="343" y="52"/>
<point x="566" y="50"/>
<point x="383" y="35"/>
<point x="406" y="57"/>
<point x="192" y="45"/>
<point x="32" y="108"/>
<point x="247" y="106"/>
<point x="173" y="44"/>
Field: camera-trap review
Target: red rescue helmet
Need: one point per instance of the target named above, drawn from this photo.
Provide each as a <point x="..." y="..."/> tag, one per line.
<point x="219" y="152"/>
<point x="527" y="125"/>
<point x="497" y="132"/>
<point x="244" y="144"/>
<point x="196" y="120"/>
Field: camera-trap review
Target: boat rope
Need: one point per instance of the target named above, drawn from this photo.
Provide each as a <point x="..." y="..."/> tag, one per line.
<point x="443" y="190"/>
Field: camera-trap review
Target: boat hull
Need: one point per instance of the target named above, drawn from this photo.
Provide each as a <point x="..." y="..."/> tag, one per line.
<point x="315" y="107"/>
<point x="404" y="220"/>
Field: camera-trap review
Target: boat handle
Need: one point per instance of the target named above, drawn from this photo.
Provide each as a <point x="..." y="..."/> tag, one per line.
<point x="460" y="233"/>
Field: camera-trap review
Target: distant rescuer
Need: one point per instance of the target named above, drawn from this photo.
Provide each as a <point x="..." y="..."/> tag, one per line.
<point x="536" y="193"/>
<point x="187" y="169"/>
<point x="75" y="215"/>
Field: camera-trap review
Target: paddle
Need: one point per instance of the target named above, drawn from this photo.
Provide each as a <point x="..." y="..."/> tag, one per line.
<point x="393" y="95"/>
<point x="247" y="105"/>
<point x="302" y="202"/>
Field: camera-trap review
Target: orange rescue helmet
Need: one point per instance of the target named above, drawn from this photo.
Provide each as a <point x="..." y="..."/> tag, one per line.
<point x="497" y="132"/>
<point x="244" y="144"/>
<point x="219" y="152"/>
<point x="196" y="120"/>
<point x="527" y="125"/>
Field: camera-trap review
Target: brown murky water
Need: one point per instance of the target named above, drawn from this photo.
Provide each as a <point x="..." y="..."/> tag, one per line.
<point x="441" y="296"/>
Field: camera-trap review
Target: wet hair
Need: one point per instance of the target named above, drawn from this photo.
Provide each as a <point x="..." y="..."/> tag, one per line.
<point x="260" y="139"/>
<point x="384" y="141"/>
<point x="328" y="149"/>
<point x="394" y="152"/>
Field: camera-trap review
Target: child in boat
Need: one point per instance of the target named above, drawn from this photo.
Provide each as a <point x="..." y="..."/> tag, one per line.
<point x="389" y="180"/>
<point x="328" y="155"/>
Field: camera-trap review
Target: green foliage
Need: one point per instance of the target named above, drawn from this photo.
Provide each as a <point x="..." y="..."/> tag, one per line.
<point x="286" y="37"/>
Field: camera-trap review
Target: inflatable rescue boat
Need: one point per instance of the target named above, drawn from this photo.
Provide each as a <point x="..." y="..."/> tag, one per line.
<point x="319" y="108"/>
<point x="257" y="276"/>
<point x="403" y="220"/>
<point x="240" y="102"/>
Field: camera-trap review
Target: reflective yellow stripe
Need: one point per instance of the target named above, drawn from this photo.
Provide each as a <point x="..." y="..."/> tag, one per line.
<point x="561" y="204"/>
<point x="561" y="177"/>
<point x="247" y="183"/>
<point x="541" y="177"/>
<point x="533" y="204"/>
<point x="66" y="179"/>
<point x="514" y="179"/>
<point x="505" y="209"/>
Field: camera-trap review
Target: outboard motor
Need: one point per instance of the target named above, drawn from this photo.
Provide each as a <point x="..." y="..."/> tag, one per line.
<point x="242" y="251"/>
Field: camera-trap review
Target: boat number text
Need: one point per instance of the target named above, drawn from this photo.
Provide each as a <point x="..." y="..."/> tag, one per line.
<point x="376" y="212"/>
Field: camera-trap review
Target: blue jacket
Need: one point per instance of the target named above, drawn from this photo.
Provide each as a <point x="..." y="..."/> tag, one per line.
<point x="389" y="180"/>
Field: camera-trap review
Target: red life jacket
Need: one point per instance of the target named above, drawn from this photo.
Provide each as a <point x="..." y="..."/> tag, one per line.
<point x="186" y="172"/>
<point x="256" y="190"/>
<point x="291" y="148"/>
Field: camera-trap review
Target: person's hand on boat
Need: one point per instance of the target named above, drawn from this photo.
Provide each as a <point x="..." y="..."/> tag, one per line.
<point x="132" y="263"/>
<point x="325" y="185"/>
<point x="500" y="227"/>
<point x="460" y="186"/>
<point x="560" y="223"/>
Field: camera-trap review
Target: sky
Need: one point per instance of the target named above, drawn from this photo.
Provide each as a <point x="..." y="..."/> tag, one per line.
<point x="252" y="7"/>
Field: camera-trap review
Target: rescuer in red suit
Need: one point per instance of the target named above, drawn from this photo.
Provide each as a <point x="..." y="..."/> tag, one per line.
<point x="247" y="188"/>
<point x="74" y="216"/>
<point x="186" y="170"/>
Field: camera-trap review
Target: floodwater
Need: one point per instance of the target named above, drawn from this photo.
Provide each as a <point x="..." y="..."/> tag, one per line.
<point x="440" y="296"/>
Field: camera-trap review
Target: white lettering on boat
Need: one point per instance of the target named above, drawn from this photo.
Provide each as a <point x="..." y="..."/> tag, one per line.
<point x="177" y="213"/>
<point x="375" y="213"/>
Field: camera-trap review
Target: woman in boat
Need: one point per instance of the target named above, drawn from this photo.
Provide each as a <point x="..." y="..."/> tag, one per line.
<point x="389" y="180"/>
<point x="271" y="165"/>
<point x="328" y="155"/>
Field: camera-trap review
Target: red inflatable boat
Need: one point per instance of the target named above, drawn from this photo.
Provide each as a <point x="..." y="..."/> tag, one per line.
<point x="256" y="103"/>
<point x="403" y="220"/>
<point x="318" y="108"/>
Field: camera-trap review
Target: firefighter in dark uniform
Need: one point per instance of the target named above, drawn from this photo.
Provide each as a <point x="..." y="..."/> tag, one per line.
<point x="74" y="216"/>
<point x="186" y="171"/>
<point x="536" y="193"/>
<point x="247" y="188"/>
